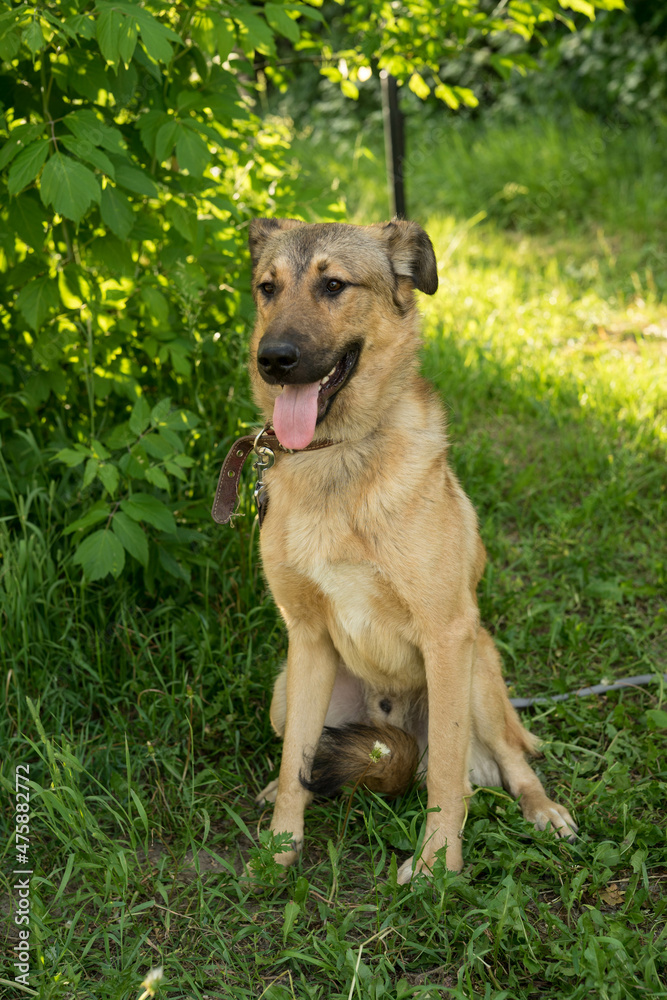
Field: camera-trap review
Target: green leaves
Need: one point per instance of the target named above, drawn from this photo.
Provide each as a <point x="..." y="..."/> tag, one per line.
<point x="254" y="33"/>
<point x="163" y="134"/>
<point x="69" y="187"/>
<point x="119" y="26"/>
<point x="116" y="212"/>
<point x="86" y="125"/>
<point x="213" y="33"/>
<point x="131" y="536"/>
<point x="27" y="165"/>
<point x="100" y="554"/>
<point x="141" y="417"/>
<point x="419" y="39"/>
<point x="156" y="37"/>
<point x="135" y="180"/>
<point x="33" y="37"/>
<point x="20" y="137"/>
<point x="581" y="6"/>
<point x="657" y="718"/>
<point x="157" y="305"/>
<point x="72" y="456"/>
<point x="103" y="553"/>
<point x="127" y="40"/>
<point x="87" y="151"/>
<point x="109" y="477"/>
<point x="37" y="299"/>
<point x="98" y="512"/>
<point x="165" y="138"/>
<point x="281" y="22"/>
<point x="147" y="447"/>
<point x="80" y="24"/>
<point x="143" y="507"/>
<point x="108" y="30"/>
<point x="111" y="303"/>
<point x="418" y="86"/>
<point x="191" y="151"/>
<point x="453" y="97"/>
<point x="117" y="35"/>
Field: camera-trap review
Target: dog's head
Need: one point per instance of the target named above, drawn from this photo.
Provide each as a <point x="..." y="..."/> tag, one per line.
<point x="335" y="335"/>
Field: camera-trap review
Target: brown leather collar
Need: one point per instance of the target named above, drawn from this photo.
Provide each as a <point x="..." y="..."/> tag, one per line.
<point x="228" y="482"/>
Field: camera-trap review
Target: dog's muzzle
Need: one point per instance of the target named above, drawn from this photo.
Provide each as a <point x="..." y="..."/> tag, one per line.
<point x="309" y="378"/>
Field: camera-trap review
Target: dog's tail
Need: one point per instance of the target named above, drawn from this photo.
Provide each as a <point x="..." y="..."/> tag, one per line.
<point x="382" y="758"/>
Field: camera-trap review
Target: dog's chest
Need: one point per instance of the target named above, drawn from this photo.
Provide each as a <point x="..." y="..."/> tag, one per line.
<point x="320" y="563"/>
<point x="370" y="627"/>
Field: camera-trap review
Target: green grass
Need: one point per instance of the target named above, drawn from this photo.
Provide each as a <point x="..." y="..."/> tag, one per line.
<point x="548" y="343"/>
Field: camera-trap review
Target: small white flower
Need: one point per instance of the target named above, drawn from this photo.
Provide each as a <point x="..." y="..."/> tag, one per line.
<point x="379" y="751"/>
<point x="152" y="982"/>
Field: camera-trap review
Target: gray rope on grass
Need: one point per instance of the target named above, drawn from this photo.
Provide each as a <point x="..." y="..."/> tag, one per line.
<point x="638" y="681"/>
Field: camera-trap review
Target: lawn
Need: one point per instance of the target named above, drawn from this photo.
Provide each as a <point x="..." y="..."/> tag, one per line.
<point x="145" y="721"/>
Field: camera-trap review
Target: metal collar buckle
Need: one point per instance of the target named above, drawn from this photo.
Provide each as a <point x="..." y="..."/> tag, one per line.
<point x="265" y="459"/>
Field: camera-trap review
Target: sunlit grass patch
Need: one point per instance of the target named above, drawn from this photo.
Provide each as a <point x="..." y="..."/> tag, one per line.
<point x="518" y="304"/>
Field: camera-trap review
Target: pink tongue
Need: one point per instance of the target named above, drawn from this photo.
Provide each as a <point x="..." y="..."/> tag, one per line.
<point x="295" y="415"/>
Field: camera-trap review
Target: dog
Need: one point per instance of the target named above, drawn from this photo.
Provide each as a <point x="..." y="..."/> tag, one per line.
<point x="369" y="544"/>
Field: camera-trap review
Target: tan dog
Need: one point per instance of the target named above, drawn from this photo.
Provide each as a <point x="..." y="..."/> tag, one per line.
<point x="369" y="545"/>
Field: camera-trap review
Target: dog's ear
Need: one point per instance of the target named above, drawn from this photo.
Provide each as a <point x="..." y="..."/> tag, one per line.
<point x="260" y="230"/>
<point x="411" y="253"/>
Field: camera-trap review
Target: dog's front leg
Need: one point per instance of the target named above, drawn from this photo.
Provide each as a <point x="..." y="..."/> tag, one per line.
<point x="312" y="662"/>
<point x="448" y="659"/>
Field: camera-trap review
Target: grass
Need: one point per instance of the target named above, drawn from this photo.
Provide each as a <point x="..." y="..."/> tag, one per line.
<point x="145" y="721"/>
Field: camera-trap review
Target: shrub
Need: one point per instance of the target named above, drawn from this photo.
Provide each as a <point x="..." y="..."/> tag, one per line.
<point x="132" y="159"/>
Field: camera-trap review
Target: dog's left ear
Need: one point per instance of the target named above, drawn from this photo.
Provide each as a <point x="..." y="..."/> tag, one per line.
<point x="261" y="230"/>
<point x="411" y="253"/>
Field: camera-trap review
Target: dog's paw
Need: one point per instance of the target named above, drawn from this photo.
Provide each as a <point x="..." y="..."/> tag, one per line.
<point x="287" y="858"/>
<point x="405" y="872"/>
<point x="552" y="816"/>
<point x="268" y="794"/>
<point x="425" y="863"/>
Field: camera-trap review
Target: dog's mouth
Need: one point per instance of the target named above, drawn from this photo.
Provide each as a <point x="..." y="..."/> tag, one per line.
<point x="335" y="380"/>
<point x="299" y="408"/>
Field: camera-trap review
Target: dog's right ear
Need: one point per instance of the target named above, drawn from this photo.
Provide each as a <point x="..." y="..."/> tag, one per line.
<point x="260" y="230"/>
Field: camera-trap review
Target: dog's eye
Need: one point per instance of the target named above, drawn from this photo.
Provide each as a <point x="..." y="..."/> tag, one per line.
<point x="268" y="287"/>
<point x="333" y="286"/>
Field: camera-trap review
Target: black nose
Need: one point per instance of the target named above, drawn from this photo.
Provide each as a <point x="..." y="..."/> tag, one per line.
<point x="276" y="358"/>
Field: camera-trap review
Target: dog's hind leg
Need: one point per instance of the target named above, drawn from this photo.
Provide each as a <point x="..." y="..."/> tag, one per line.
<point x="499" y="744"/>
<point x="312" y="664"/>
<point x="347" y="704"/>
